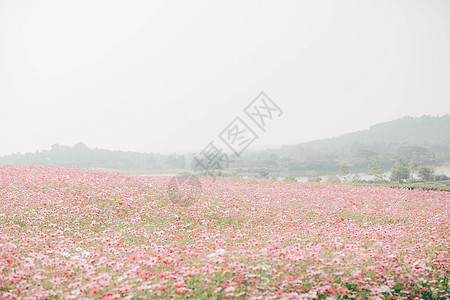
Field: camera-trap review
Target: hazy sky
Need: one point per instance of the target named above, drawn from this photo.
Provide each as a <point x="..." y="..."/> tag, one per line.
<point x="156" y="75"/>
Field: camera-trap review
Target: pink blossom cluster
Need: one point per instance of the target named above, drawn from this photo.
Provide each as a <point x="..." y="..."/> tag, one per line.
<point x="77" y="234"/>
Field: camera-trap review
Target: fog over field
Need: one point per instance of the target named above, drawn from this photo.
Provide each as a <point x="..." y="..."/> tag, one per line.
<point x="169" y="76"/>
<point x="256" y="149"/>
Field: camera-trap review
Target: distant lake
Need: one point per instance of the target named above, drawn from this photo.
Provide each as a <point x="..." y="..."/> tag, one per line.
<point x="364" y="176"/>
<point x="156" y="174"/>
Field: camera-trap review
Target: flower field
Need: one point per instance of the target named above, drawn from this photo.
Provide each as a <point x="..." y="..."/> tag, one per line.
<point x="75" y="234"/>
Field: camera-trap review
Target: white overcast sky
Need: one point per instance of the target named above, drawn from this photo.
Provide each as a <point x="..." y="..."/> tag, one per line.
<point x="170" y="75"/>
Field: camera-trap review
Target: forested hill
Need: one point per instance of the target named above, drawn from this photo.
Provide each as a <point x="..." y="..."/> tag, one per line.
<point x="81" y="156"/>
<point x="426" y="140"/>
<point x="432" y="133"/>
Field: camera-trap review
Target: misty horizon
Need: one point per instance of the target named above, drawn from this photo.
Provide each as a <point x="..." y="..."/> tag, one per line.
<point x="151" y="76"/>
<point x="259" y="147"/>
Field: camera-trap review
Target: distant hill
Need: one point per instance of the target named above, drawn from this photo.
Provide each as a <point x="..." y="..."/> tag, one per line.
<point x="81" y="156"/>
<point x="425" y="140"/>
<point x="429" y="132"/>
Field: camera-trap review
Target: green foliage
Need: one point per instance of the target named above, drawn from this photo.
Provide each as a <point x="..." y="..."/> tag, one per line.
<point x="313" y="176"/>
<point x="290" y="178"/>
<point x="344" y="173"/>
<point x="355" y="178"/>
<point x="409" y="186"/>
<point x="399" y="172"/>
<point x="431" y="187"/>
<point x="376" y="169"/>
<point x="418" y="155"/>
<point x="413" y="168"/>
<point x="426" y="173"/>
<point x="263" y="173"/>
<point x="332" y="178"/>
